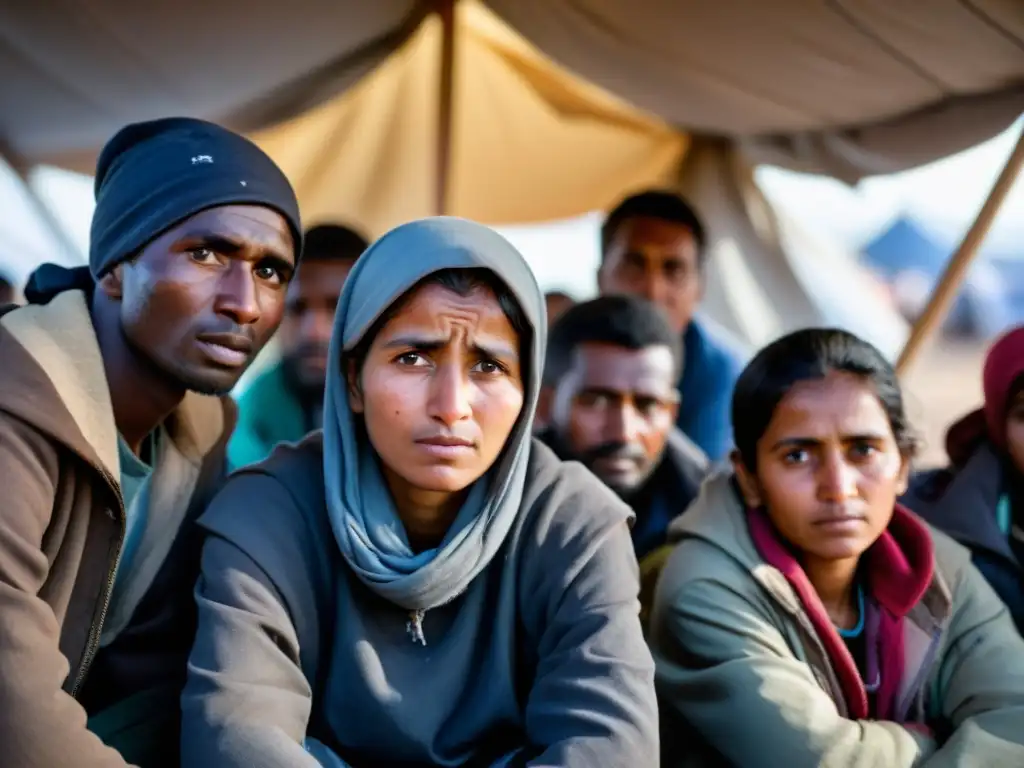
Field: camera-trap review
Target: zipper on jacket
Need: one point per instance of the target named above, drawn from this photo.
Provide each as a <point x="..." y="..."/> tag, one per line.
<point x="96" y="630"/>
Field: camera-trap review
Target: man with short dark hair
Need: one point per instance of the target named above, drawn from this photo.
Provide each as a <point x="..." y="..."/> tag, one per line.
<point x="610" y="401"/>
<point x="113" y="432"/>
<point x="653" y="246"/>
<point x="285" y="402"/>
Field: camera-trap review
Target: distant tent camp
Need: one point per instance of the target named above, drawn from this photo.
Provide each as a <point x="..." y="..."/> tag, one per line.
<point x="910" y="260"/>
<point x="905" y="245"/>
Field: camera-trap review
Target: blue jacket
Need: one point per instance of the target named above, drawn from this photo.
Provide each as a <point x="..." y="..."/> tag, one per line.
<point x="712" y="361"/>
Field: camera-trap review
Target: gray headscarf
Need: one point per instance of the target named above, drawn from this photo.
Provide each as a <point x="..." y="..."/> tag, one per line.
<point x="366" y="525"/>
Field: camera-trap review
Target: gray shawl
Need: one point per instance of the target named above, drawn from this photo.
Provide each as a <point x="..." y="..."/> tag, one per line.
<point x="366" y="525"/>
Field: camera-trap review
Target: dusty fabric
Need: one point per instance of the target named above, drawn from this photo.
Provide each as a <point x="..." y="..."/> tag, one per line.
<point x="61" y="526"/>
<point x="740" y="673"/>
<point x="556" y="145"/>
<point x="845" y="89"/>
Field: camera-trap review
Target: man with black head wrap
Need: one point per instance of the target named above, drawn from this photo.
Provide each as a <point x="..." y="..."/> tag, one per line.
<point x="286" y="401"/>
<point x="113" y="434"/>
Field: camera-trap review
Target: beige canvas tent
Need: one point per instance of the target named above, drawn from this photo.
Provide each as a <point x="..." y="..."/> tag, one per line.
<point x="526" y="110"/>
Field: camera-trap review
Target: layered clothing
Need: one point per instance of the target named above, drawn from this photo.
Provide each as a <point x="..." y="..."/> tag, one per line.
<point x="85" y="633"/>
<point x="750" y="669"/>
<point x="325" y="639"/>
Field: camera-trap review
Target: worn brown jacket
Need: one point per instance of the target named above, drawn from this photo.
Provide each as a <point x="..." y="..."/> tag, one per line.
<point x="61" y="530"/>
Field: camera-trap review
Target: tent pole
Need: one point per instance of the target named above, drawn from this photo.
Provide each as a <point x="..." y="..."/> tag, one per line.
<point x="952" y="278"/>
<point x="446" y="11"/>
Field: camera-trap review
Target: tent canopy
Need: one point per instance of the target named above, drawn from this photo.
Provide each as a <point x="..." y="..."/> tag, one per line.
<point x="558" y="106"/>
<point x="530" y="142"/>
<point x="845" y="88"/>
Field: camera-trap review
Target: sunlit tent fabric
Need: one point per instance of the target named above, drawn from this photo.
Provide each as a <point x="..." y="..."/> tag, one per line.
<point x="847" y="88"/>
<point x="559" y="107"/>
<point x="530" y="141"/>
<point x="863" y="84"/>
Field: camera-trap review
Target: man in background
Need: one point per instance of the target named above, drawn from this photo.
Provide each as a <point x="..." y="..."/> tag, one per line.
<point x="285" y="402"/>
<point x="610" y="400"/>
<point x="653" y="246"/>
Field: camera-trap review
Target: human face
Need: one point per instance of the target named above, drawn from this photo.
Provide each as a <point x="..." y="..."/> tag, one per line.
<point x="202" y="299"/>
<point x="1015" y="430"/>
<point x="828" y="468"/>
<point x="305" y="333"/>
<point x="440" y="390"/>
<point x="656" y="260"/>
<point x="613" y="411"/>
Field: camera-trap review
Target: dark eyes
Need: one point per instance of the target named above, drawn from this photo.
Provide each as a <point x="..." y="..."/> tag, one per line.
<point x="489" y="367"/>
<point x="857" y="452"/>
<point x="264" y="271"/>
<point x="201" y="255"/>
<point x="417" y="360"/>
<point x="411" y="359"/>
<point x="796" y="457"/>
<point x="268" y="272"/>
<point x="863" y="450"/>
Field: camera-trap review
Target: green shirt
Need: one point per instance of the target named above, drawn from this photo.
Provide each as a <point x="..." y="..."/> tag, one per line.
<point x="135" y="474"/>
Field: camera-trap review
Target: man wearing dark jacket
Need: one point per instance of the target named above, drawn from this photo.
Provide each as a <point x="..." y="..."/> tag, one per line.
<point x="610" y="400"/>
<point x="112" y="438"/>
<point x="653" y="245"/>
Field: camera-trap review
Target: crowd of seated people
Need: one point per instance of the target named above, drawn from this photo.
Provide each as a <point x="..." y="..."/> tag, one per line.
<point x="465" y="523"/>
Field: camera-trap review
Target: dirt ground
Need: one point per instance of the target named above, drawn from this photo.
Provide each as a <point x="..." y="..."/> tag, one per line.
<point x="942" y="385"/>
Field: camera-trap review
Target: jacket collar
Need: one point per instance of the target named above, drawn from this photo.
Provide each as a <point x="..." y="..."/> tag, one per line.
<point x="60" y="340"/>
<point x="719" y="517"/>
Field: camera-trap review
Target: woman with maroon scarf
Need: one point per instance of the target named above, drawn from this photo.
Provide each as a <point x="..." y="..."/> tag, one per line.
<point x="979" y="498"/>
<point x="805" y="618"/>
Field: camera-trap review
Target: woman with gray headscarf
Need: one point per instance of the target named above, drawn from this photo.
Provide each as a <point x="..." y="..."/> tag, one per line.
<point x="423" y="584"/>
